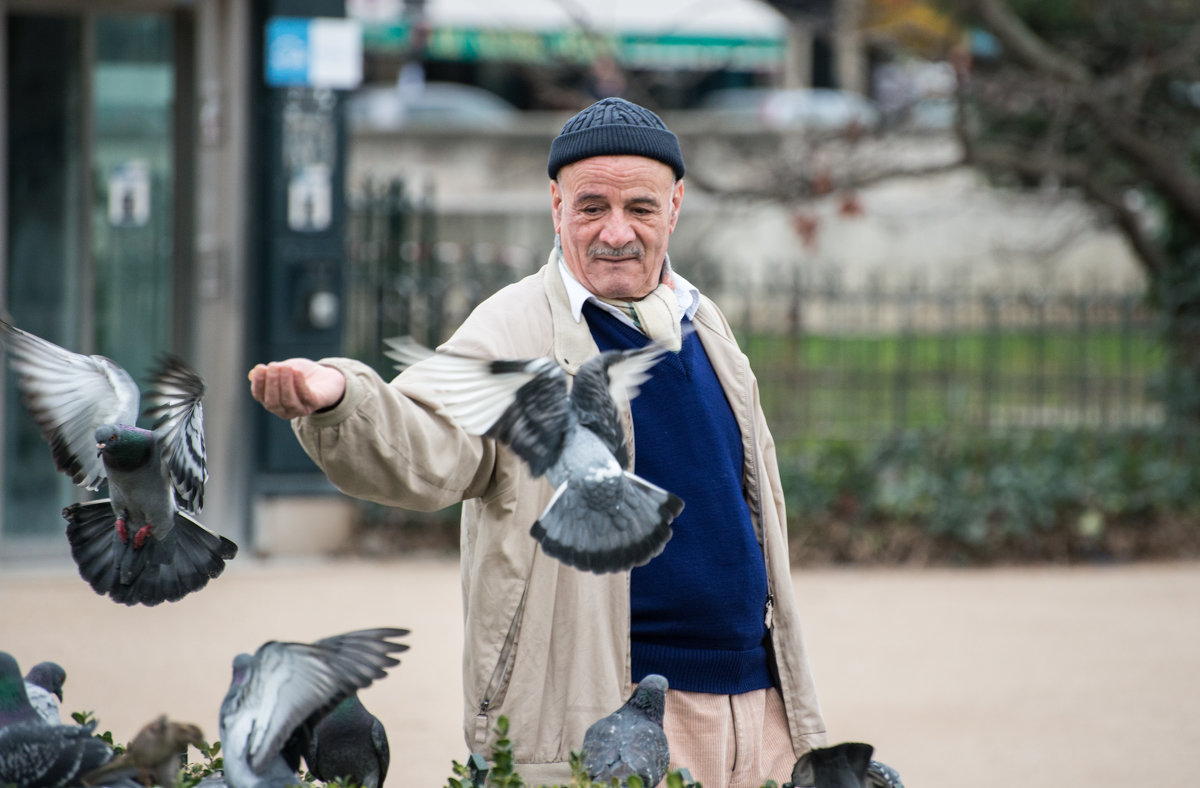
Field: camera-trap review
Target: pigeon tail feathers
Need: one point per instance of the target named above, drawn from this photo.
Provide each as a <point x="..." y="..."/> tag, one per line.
<point x="611" y="540"/>
<point x="160" y="571"/>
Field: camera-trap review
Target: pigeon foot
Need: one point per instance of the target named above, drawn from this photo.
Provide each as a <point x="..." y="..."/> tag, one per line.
<point x="139" y="538"/>
<point x="122" y="531"/>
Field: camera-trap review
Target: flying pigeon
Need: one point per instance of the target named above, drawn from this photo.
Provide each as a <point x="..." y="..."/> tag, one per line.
<point x="154" y="756"/>
<point x="601" y="517"/>
<point x="280" y="693"/>
<point x="630" y="740"/>
<point x="44" y="688"/>
<point x="349" y="742"/>
<point x="35" y="753"/>
<point x="142" y="544"/>
<point x="840" y="766"/>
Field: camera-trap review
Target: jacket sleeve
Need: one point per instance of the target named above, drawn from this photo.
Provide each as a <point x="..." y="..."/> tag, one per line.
<point x="388" y="443"/>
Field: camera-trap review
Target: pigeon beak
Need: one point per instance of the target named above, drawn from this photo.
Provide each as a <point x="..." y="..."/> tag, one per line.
<point x="99" y="449"/>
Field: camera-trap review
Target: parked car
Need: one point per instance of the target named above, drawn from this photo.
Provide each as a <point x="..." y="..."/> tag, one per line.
<point x="817" y="109"/>
<point x="429" y="105"/>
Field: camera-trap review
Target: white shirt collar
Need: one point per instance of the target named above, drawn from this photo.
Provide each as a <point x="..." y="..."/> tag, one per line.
<point x="686" y="294"/>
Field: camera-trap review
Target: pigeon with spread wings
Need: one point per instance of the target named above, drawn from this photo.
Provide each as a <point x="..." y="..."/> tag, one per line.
<point x="278" y="695"/>
<point x="601" y="518"/>
<point x="142" y="544"/>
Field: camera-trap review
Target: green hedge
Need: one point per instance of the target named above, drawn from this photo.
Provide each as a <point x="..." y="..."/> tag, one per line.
<point x="944" y="495"/>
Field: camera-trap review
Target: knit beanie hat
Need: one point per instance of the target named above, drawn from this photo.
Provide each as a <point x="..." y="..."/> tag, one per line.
<point x="614" y="127"/>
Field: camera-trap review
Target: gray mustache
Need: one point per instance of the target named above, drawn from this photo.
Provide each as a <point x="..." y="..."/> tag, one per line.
<point x="629" y="250"/>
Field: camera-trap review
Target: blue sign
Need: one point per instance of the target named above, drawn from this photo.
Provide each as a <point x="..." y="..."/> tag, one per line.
<point x="287" y="51"/>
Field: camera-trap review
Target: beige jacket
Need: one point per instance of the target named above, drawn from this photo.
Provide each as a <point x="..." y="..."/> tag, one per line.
<point x="545" y="645"/>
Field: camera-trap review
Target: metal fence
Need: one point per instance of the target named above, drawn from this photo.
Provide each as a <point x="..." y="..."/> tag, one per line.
<point x="834" y="360"/>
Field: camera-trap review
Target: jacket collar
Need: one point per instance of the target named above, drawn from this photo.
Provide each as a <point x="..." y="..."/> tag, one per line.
<point x="573" y="343"/>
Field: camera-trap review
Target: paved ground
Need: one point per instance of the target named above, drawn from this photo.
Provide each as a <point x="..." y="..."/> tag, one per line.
<point x="961" y="679"/>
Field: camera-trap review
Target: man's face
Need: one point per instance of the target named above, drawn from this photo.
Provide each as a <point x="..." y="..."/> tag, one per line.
<point x="614" y="215"/>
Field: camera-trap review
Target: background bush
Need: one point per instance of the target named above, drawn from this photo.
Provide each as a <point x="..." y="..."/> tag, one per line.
<point x="950" y="497"/>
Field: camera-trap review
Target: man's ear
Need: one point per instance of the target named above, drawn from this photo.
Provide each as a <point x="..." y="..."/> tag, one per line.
<point x="556" y="199"/>
<point x="676" y="202"/>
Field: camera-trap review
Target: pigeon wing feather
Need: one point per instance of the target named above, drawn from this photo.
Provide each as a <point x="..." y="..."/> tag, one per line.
<point x="521" y="403"/>
<point x="69" y="395"/>
<point x="604" y="380"/>
<point x="175" y="404"/>
<point x="288" y="682"/>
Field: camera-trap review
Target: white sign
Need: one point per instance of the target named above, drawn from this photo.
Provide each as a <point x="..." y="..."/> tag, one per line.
<point x="310" y="199"/>
<point x="322" y="52"/>
<point x="335" y="53"/>
<point x="129" y="194"/>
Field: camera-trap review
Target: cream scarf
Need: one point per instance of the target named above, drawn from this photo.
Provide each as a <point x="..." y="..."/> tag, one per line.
<point x="656" y="315"/>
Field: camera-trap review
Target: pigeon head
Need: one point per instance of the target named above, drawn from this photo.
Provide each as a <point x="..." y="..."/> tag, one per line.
<point x="124" y="447"/>
<point x="50" y="676"/>
<point x="241" y="668"/>
<point x="651" y="697"/>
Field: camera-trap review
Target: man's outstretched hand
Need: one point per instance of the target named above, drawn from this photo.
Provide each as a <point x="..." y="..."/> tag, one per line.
<point x="296" y="387"/>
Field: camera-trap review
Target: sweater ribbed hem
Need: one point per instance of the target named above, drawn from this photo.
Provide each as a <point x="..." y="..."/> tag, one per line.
<point x="719" y="671"/>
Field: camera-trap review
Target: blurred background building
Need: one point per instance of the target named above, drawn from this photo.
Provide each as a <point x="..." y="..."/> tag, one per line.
<point x="205" y="177"/>
<point x="173" y="181"/>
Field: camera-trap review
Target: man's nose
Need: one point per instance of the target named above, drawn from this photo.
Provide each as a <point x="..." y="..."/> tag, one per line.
<point x="617" y="231"/>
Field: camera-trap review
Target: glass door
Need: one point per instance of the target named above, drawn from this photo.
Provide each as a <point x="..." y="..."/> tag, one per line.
<point x="91" y="194"/>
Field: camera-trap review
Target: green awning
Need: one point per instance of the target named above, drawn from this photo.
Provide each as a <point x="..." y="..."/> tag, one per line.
<point x="631" y="50"/>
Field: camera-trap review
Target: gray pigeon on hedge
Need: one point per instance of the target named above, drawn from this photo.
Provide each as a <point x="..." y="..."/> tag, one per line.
<point x="44" y="688"/>
<point x="880" y="775"/>
<point x="349" y="742"/>
<point x="278" y="695"/>
<point x="601" y="518"/>
<point x="630" y="740"/>
<point x="35" y="753"/>
<point x="142" y="544"/>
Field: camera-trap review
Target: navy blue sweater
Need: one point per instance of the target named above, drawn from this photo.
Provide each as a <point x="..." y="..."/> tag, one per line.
<point x="697" y="610"/>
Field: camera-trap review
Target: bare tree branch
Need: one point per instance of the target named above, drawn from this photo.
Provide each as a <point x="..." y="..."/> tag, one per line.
<point x="1039" y="166"/>
<point x="1025" y="44"/>
<point x="1131" y="82"/>
<point x="797" y="186"/>
<point x="1171" y="177"/>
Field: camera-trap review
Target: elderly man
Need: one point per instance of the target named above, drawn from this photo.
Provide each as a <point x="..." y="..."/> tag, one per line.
<point x="548" y="646"/>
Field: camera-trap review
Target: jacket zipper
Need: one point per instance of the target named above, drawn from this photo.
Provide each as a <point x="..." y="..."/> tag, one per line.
<point x="506" y="654"/>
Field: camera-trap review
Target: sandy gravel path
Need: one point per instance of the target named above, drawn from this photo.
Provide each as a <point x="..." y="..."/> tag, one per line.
<point x="1041" y="678"/>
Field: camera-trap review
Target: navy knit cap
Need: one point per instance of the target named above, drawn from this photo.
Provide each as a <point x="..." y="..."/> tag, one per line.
<point x="614" y="127"/>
